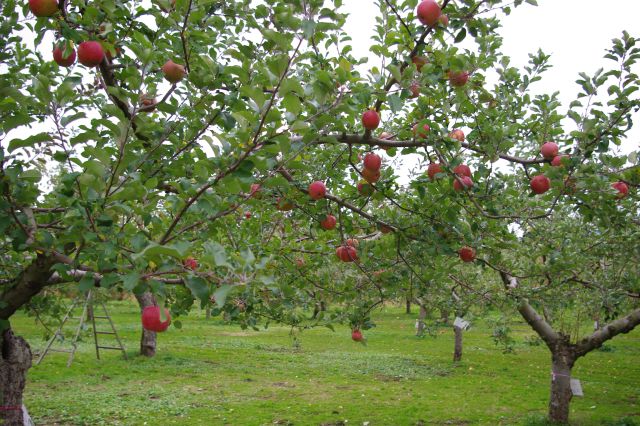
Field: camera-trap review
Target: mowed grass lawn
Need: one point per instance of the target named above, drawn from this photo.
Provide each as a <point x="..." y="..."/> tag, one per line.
<point x="211" y="373"/>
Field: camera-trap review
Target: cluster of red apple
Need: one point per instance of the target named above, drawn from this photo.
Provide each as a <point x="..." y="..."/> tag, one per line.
<point x="348" y="251"/>
<point x="91" y="53"/>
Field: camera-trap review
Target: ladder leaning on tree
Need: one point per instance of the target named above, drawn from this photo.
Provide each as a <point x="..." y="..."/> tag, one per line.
<point x="87" y="313"/>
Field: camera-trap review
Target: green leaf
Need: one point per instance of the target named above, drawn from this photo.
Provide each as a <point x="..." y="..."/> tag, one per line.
<point x="29" y="142"/>
<point x="154" y="251"/>
<point x="86" y="282"/>
<point x="199" y="288"/>
<point x="221" y="294"/>
<point x="130" y="281"/>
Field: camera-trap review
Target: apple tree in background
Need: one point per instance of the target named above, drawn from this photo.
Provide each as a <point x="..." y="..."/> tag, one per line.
<point x="194" y="150"/>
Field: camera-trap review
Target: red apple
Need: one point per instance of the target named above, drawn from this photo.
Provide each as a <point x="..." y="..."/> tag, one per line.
<point x="147" y="103"/>
<point x="352" y="242"/>
<point x="90" y="53"/>
<point x="347" y="253"/>
<point x="254" y="192"/>
<point x="415" y="89"/>
<point x="462" y="183"/>
<point x="329" y="222"/>
<point x="549" y="150"/>
<point x="467" y="254"/>
<point x="425" y="127"/>
<point x="372" y="162"/>
<point x="443" y="20"/>
<point x="622" y="188"/>
<point x="428" y="12"/>
<point x="540" y="184"/>
<point x="458" y="78"/>
<point x="151" y="319"/>
<point x="462" y="170"/>
<point x="43" y="8"/>
<point x="247" y="215"/>
<point x="557" y="160"/>
<point x="364" y="188"/>
<point x="299" y="262"/>
<point x="385" y="135"/>
<point x="370" y="119"/>
<point x="173" y="72"/>
<point x="420" y="61"/>
<point x="67" y="60"/>
<point x="457" y="134"/>
<point x="385" y="229"/>
<point x="433" y="170"/>
<point x="317" y="190"/>
<point x="190" y="263"/>
<point x="357" y="336"/>
<point x="371" y="176"/>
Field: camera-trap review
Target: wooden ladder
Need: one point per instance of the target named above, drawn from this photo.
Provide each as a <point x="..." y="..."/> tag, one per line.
<point x="87" y="313"/>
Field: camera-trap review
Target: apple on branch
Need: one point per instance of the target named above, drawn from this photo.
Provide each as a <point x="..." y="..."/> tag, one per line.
<point x="90" y="53"/>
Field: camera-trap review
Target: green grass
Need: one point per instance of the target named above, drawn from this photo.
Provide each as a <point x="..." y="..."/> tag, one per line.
<point x="209" y="373"/>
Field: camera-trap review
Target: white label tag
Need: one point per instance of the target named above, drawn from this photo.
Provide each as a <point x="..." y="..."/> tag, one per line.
<point x="461" y="323"/>
<point x="576" y="387"/>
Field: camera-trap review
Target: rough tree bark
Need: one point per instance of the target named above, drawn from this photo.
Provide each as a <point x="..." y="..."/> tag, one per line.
<point x="16" y="360"/>
<point x="148" y="339"/>
<point x="457" y="351"/>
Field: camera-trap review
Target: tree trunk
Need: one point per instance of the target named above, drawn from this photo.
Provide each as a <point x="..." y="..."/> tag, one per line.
<point x="16" y="360"/>
<point x="444" y="316"/>
<point x="457" y="351"/>
<point x="148" y="339"/>
<point x="421" y="318"/>
<point x="561" y="365"/>
<point x="207" y="313"/>
<point x="408" y="306"/>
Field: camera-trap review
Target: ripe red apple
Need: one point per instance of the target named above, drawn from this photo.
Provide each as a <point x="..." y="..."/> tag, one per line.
<point x="540" y="184"/>
<point x="458" y="78"/>
<point x="67" y="60"/>
<point x="425" y="129"/>
<point x="90" y="53"/>
<point x="151" y="319"/>
<point x="457" y="134"/>
<point x="173" y="72"/>
<point x="364" y="188"/>
<point x="428" y="12"/>
<point x="371" y="176"/>
<point x="352" y="242"/>
<point x="190" y="263"/>
<point x="317" y="190"/>
<point x="370" y="119"/>
<point x="357" y="336"/>
<point x="372" y="162"/>
<point x="549" y="150"/>
<point x="443" y="20"/>
<point x="299" y="262"/>
<point x="329" y="222"/>
<point x="557" y="160"/>
<point x="43" y="8"/>
<point x="462" y="183"/>
<point x="247" y="215"/>
<point x="283" y="204"/>
<point x="467" y="254"/>
<point x="415" y="89"/>
<point x="433" y="170"/>
<point x="419" y="61"/>
<point x="462" y="170"/>
<point x="622" y="188"/>
<point x="347" y="253"/>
